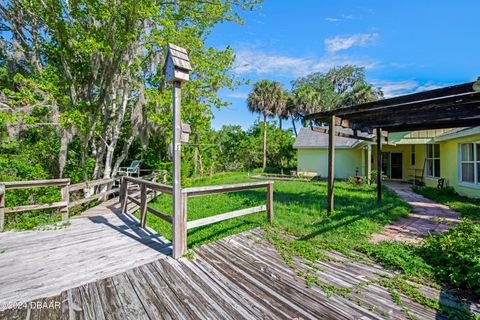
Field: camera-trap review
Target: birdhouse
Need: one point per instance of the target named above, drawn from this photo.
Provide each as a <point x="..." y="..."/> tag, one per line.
<point x="185" y="132"/>
<point x="177" y="65"/>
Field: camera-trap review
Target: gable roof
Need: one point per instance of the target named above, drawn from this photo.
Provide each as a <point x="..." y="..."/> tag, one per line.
<point x="309" y="139"/>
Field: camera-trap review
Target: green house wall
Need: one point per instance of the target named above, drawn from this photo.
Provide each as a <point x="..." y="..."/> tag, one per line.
<point x="314" y="162"/>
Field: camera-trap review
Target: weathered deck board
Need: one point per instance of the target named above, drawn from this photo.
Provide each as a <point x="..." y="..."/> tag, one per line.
<point x="95" y="246"/>
<point x="239" y="277"/>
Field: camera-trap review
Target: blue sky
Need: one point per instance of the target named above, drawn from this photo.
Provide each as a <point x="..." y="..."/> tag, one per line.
<point x="405" y="46"/>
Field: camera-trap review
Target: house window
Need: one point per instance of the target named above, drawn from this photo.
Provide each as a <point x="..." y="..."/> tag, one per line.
<point x="412" y="155"/>
<point x="432" y="161"/>
<point x="470" y="162"/>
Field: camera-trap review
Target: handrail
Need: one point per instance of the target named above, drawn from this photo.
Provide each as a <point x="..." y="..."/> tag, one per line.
<point x="202" y="191"/>
<point x="150" y="184"/>
<point x="93" y="183"/>
<point x="179" y="218"/>
<point x="63" y="205"/>
<point x="35" y="183"/>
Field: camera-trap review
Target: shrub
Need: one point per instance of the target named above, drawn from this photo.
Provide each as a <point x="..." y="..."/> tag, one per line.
<point x="455" y="255"/>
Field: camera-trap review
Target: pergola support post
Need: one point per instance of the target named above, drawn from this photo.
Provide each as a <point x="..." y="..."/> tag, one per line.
<point x="379" y="164"/>
<point x="331" y="164"/>
<point x="369" y="164"/>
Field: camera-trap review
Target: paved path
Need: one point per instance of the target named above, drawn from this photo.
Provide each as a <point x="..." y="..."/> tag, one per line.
<point x="427" y="217"/>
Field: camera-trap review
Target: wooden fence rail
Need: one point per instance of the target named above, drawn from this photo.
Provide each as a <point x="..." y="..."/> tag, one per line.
<point x="144" y="185"/>
<point x="209" y="190"/>
<point x="65" y="191"/>
<point x="179" y="219"/>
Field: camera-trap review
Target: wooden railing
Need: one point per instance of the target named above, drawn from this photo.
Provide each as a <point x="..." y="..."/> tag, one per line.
<point x="203" y="191"/>
<point x="65" y="190"/>
<point x="179" y="219"/>
<point x="144" y="185"/>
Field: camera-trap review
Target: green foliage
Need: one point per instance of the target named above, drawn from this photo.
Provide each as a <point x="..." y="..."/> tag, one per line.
<point x="87" y="77"/>
<point x="339" y="87"/>
<point x="455" y="255"/>
<point x="400" y="256"/>
<point x="467" y="207"/>
<point x="452" y="257"/>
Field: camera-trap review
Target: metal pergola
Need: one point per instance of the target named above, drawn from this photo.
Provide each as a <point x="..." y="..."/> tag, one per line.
<point x="448" y="107"/>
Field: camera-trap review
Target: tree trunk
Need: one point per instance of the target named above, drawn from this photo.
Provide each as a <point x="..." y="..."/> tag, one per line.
<point x="264" y="141"/>
<point x="62" y="156"/>
<point x="294" y="127"/>
<point x="280" y="122"/>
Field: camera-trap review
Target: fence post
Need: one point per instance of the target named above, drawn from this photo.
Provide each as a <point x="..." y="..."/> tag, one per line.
<point x="270" y="202"/>
<point x="143" y="205"/>
<point x="66" y="198"/>
<point x="2" y="207"/>
<point x="124" y="200"/>
<point x="179" y="229"/>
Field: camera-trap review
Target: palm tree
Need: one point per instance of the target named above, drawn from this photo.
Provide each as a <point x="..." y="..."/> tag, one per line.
<point x="304" y="100"/>
<point x="267" y="98"/>
<point x="280" y="102"/>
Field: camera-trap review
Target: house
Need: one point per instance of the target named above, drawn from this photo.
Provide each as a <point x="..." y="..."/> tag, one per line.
<point x="427" y="156"/>
<point x="312" y="154"/>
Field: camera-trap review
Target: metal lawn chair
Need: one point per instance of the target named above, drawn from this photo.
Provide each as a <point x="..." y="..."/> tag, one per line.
<point x="134" y="168"/>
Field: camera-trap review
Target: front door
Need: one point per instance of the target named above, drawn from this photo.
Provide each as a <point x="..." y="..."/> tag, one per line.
<point x="396" y="166"/>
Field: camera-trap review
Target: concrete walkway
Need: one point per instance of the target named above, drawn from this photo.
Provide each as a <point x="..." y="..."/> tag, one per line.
<point x="427" y="217"/>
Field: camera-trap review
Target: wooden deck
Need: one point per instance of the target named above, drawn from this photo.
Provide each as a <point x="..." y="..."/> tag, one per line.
<point x="94" y="246"/>
<point x="239" y="277"/>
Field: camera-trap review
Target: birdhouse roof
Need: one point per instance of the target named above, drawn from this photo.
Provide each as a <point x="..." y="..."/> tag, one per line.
<point x="179" y="57"/>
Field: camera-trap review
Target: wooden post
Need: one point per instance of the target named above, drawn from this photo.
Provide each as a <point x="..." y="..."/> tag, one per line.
<point x="2" y="207"/>
<point x="66" y="198"/>
<point x="143" y="205"/>
<point x="369" y="163"/>
<point x="124" y="195"/>
<point x="331" y="164"/>
<point x="178" y="226"/>
<point x="379" y="164"/>
<point x="270" y="202"/>
<point x="120" y="193"/>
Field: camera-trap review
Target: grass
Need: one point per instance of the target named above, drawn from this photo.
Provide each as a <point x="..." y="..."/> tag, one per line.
<point x="467" y="207"/>
<point x="299" y="209"/>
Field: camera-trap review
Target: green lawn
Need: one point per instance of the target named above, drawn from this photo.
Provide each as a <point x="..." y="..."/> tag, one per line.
<point x="299" y="209"/>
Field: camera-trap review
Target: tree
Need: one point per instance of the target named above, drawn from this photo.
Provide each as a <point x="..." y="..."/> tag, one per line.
<point x="340" y="87"/>
<point x="304" y="100"/>
<point x="95" y="69"/>
<point x="267" y="98"/>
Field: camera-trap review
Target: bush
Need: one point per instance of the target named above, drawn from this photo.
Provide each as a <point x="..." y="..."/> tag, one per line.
<point x="455" y="255"/>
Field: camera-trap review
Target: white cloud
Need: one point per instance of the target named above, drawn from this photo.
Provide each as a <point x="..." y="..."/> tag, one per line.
<point x="329" y="19"/>
<point x="398" y="88"/>
<point x="338" y="43"/>
<point x="342" y="17"/>
<point x="259" y="62"/>
<point x="238" y="95"/>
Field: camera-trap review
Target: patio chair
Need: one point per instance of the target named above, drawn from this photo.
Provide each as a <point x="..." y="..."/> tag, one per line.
<point x="132" y="169"/>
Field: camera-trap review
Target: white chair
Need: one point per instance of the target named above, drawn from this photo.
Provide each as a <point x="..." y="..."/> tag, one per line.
<point x="132" y="169"/>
